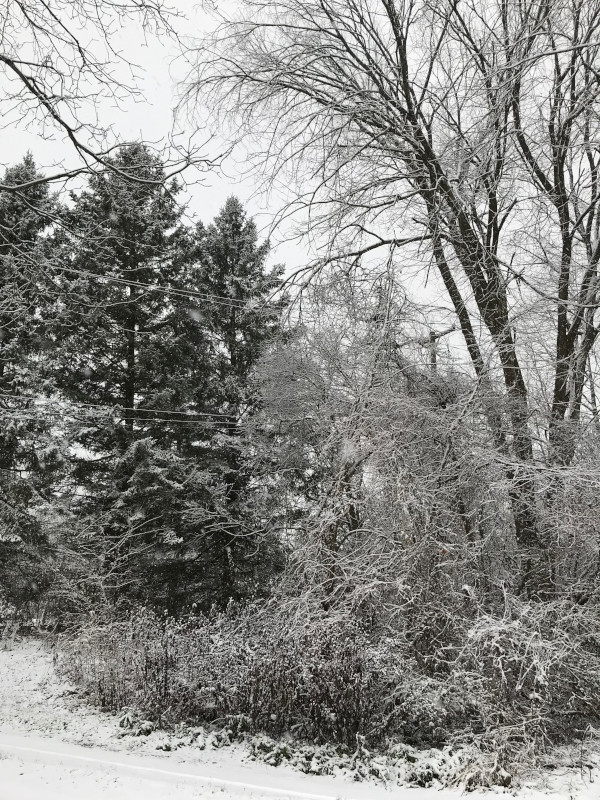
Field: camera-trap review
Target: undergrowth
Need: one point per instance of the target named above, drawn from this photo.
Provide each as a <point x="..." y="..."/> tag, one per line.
<point x="508" y="688"/>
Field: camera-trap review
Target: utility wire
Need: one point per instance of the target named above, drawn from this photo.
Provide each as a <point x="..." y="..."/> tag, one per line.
<point x="81" y="404"/>
<point x="213" y="298"/>
<point x="231" y="302"/>
<point x="48" y="415"/>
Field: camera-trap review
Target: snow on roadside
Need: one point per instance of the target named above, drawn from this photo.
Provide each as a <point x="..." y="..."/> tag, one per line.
<point x="33" y="699"/>
<point x="34" y="702"/>
<point x="25" y="781"/>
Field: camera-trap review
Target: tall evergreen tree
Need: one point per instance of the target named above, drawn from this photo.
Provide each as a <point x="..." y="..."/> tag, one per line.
<point x="157" y="334"/>
<point x="130" y="357"/>
<point x="29" y="456"/>
<point x="242" y="317"/>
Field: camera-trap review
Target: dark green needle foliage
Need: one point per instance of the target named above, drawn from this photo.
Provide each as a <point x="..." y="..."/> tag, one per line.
<point x="242" y="319"/>
<point x="131" y="356"/>
<point x="30" y="456"/>
<point x="156" y="342"/>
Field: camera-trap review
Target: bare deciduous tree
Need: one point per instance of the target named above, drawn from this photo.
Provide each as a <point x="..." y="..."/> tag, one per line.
<point x="455" y="135"/>
<point x="59" y="62"/>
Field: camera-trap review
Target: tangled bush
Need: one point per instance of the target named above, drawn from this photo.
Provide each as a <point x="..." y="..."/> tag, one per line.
<point x="7" y="609"/>
<point x="510" y="685"/>
<point x="315" y="683"/>
<point x="537" y="668"/>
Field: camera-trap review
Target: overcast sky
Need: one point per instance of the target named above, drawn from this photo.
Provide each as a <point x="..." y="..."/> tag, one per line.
<point x="151" y="119"/>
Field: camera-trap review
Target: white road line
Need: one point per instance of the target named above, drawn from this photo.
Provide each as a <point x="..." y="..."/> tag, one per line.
<point x="181" y="775"/>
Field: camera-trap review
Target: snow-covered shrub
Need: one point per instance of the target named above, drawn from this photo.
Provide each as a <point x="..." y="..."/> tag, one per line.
<point x="507" y="682"/>
<point x="423" y="711"/>
<point x="536" y="670"/>
<point x="122" y="664"/>
<point x="7" y="609"/>
<point x="315" y="683"/>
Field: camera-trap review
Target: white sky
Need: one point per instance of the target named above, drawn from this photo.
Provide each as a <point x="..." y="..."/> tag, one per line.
<point x="151" y="119"/>
<point x="161" y="70"/>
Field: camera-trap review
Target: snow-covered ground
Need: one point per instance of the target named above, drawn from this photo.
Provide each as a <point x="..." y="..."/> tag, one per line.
<point x="54" y="746"/>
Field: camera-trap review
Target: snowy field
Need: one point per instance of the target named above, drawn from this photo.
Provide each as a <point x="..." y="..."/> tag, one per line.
<point x="53" y="746"/>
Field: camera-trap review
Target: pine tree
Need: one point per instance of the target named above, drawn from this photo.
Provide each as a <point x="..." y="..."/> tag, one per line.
<point x="131" y="356"/>
<point x="242" y="319"/>
<point x="157" y="333"/>
<point x="29" y="456"/>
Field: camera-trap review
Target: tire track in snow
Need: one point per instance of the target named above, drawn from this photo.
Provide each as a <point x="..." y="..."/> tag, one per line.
<point x="163" y="773"/>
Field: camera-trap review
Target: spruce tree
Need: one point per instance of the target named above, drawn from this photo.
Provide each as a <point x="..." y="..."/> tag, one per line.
<point x="29" y="456"/>
<point x="157" y="333"/>
<point x="131" y="357"/>
<point x="243" y="316"/>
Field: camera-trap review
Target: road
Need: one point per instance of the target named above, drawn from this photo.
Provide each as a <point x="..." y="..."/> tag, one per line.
<point x="54" y="747"/>
<point x="36" y="768"/>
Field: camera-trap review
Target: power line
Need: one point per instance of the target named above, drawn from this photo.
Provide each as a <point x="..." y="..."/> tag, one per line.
<point x="81" y="404"/>
<point x="229" y="302"/>
<point x="180" y="418"/>
<point x="47" y="415"/>
<point x="217" y="299"/>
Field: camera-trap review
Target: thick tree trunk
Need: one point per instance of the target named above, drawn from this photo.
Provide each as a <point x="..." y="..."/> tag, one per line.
<point x="489" y="293"/>
<point x="491" y="301"/>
